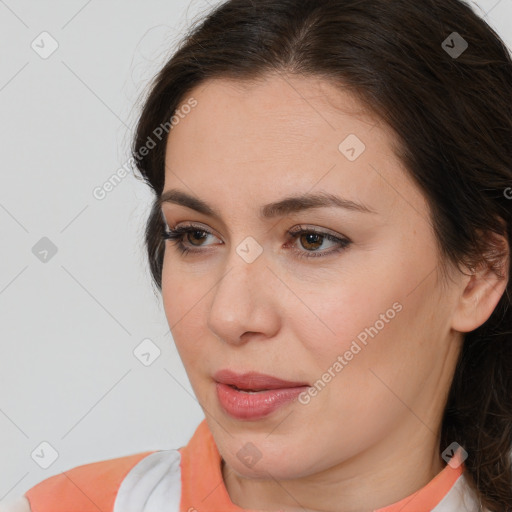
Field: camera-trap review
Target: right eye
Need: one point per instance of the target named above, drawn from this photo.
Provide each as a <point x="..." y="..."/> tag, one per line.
<point x="178" y="234"/>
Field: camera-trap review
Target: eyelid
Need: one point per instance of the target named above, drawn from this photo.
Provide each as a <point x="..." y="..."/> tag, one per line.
<point x="315" y="229"/>
<point x="293" y="231"/>
<point x="193" y="225"/>
<point x="341" y="241"/>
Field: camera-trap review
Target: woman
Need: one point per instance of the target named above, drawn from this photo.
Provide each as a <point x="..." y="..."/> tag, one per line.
<point x="346" y="327"/>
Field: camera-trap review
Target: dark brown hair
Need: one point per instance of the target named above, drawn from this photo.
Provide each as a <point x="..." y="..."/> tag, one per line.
<point x="452" y="114"/>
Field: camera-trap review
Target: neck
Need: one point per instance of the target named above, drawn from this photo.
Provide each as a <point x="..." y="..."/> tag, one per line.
<point x="358" y="485"/>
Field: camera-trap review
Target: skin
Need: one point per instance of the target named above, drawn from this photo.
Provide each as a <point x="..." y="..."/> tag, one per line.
<point x="370" y="437"/>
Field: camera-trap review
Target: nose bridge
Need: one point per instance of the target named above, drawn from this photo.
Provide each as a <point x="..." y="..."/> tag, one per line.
<point x="246" y="264"/>
<point x="241" y="299"/>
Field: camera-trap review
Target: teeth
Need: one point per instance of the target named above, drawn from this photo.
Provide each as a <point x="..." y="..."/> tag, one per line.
<point x="250" y="391"/>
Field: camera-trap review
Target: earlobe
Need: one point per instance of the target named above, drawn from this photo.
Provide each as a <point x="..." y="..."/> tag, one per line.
<point x="480" y="294"/>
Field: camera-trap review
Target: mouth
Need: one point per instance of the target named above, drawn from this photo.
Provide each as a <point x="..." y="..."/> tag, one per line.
<point x="254" y="382"/>
<point x="254" y="396"/>
<point x="249" y="391"/>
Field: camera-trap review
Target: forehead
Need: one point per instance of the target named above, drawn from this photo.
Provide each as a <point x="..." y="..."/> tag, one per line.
<point x="282" y="133"/>
<point x="284" y="99"/>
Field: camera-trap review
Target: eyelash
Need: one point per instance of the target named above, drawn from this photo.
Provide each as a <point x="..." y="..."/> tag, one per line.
<point x="176" y="235"/>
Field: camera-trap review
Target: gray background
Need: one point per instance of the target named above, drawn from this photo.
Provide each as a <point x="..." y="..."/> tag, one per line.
<point x="69" y="324"/>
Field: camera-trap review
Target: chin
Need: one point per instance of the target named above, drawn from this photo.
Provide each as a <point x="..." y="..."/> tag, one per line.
<point x="263" y="459"/>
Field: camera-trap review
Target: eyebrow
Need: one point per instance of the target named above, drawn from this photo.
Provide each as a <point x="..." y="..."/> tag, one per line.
<point x="288" y="205"/>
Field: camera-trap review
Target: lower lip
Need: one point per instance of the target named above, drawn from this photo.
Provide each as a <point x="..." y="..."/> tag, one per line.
<point x="252" y="406"/>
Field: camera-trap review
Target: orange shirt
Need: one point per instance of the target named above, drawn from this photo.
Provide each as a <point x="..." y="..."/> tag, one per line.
<point x="190" y="480"/>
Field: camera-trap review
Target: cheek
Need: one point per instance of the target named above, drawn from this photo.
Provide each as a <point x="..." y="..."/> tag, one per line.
<point x="373" y="320"/>
<point x="371" y="343"/>
<point x="183" y="309"/>
<point x="182" y="291"/>
<point x="380" y="336"/>
<point x="352" y="309"/>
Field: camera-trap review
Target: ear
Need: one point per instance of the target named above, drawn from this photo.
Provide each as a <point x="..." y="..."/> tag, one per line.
<point x="483" y="288"/>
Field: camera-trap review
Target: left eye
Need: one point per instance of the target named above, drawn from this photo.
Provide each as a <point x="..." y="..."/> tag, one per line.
<point x="311" y="239"/>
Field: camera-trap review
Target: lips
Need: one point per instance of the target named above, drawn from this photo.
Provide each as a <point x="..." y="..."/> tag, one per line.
<point x="254" y="396"/>
<point x="254" y="381"/>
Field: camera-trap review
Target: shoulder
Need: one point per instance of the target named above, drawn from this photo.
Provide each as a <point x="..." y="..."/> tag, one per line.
<point x="83" y="488"/>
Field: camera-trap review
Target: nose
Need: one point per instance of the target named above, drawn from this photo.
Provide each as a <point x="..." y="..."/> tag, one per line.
<point x="244" y="302"/>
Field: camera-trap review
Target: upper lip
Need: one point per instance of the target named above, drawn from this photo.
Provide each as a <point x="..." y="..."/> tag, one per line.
<point x="254" y="381"/>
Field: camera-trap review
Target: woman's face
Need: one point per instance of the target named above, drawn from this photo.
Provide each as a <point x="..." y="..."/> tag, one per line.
<point x="365" y="326"/>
